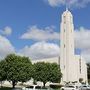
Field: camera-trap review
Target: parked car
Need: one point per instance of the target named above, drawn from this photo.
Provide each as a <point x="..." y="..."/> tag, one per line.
<point x="70" y="87"/>
<point x="33" y="87"/>
<point x="84" y="87"/>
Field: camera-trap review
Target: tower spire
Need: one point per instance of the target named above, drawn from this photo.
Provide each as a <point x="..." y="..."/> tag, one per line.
<point x="67" y="5"/>
<point x="66" y="8"/>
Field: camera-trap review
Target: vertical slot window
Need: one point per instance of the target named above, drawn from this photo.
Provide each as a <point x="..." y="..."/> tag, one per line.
<point x="64" y="19"/>
<point x="80" y="64"/>
<point x="64" y="45"/>
<point x="64" y="30"/>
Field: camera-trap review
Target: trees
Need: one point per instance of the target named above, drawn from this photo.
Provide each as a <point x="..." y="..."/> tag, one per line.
<point x="17" y="69"/>
<point x="55" y="73"/>
<point x="2" y="72"/>
<point x="88" y="71"/>
<point x="81" y="80"/>
<point x="45" y="72"/>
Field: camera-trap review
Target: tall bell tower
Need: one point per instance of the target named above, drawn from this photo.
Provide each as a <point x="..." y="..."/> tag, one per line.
<point x="67" y="47"/>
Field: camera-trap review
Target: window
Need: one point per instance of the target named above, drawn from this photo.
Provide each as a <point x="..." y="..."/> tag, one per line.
<point x="71" y="19"/>
<point x="64" y="66"/>
<point x="64" y="19"/>
<point x="64" y="30"/>
<point x="71" y="45"/>
<point x="64" y="45"/>
<point x="71" y="30"/>
<point x="80" y="64"/>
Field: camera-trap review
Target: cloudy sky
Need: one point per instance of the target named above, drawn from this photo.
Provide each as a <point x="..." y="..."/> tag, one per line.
<point x="32" y="27"/>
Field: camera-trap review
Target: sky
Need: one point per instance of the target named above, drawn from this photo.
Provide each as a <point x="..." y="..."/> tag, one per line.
<point x="32" y="27"/>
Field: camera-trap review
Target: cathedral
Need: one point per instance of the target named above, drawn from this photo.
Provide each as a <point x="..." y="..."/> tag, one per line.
<point x="73" y="67"/>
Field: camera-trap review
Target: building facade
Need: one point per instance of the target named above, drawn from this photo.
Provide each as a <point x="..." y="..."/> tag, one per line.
<point x="73" y="67"/>
<point x="67" y="46"/>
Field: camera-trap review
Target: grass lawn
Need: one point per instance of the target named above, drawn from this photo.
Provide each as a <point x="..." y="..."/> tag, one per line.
<point x="5" y="88"/>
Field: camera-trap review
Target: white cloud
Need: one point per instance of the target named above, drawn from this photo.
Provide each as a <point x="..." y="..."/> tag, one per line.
<point x="71" y="3"/>
<point x="40" y="50"/>
<point x="5" y="47"/>
<point x="6" y="31"/>
<point x="38" y="34"/>
<point x="43" y="49"/>
<point x="86" y="55"/>
<point x="54" y="3"/>
<point x="82" y="41"/>
<point x="82" y="38"/>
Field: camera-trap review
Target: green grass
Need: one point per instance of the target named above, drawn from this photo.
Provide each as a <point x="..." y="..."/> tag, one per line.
<point x="5" y="88"/>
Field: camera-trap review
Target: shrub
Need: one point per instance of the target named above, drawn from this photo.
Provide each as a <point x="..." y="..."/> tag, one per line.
<point x="55" y="86"/>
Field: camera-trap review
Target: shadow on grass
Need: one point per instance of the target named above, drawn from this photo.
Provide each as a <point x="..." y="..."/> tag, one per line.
<point x="7" y="88"/>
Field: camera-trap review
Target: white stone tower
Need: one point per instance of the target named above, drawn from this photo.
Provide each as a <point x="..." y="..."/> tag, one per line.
<point x="67" y="47"/>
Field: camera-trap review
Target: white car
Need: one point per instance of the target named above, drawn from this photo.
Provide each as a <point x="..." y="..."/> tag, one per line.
<point x="84" y="87"/>
<point x="70" y="87"/>
<point x="33" y="87"/>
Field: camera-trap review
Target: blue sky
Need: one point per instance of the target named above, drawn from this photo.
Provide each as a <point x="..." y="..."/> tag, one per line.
<point x="19" y="17"/>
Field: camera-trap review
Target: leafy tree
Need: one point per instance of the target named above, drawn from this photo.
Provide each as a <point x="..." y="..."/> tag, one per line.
<point x="45" y="72"/>
<point x="55" y="73"/>
<point x="81" y="80"/>
<point x="88" y="71"/>
<point x="2" y="72"/>
<point x="18" y="69"/>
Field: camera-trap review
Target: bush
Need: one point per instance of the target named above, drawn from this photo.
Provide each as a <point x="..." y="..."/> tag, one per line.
<point x="5" y="88"/>
<point x="38" y="87"/>
<point x="8" y="88"/>
<point x="44" y="87"/>
<point x="29" y="87"/>
<point x="55" y="86"/>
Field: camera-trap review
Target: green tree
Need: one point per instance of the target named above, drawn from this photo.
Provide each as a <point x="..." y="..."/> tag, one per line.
<point x="88" y="72"/>
<point x="45" y="72"/>
<point x="18" y="69"/>
<point x="81" y="80"/>
<point x="2" y="72"/>
<point x="55" y="73"/>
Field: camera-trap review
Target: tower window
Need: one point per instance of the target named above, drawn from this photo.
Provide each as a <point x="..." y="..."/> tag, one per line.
<point x="80" y="64"/>
<point x="64" y="45"/>
<point x="64" y="19"/>
<point x="64" y="30"/>
<point x="71" y="30"/>
<point x="71" y="19"/>
<point x="64" y="66"/>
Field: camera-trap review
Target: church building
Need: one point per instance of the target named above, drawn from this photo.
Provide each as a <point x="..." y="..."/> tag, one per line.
<point x="73" y="67"/>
